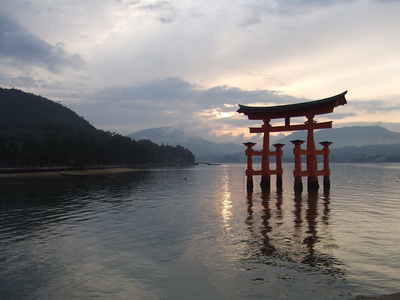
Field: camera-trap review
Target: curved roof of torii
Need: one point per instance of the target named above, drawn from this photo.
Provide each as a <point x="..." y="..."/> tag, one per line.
<point x="310" y="108"/>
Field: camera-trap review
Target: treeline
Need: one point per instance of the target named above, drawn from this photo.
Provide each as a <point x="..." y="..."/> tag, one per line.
<point x="53" y="149"/>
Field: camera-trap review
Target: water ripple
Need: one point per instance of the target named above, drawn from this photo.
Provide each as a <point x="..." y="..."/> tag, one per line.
<point x="195" y="233"/>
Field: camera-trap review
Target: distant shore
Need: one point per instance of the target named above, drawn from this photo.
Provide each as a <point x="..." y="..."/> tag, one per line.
<point x="65" y="171"/>
<point x="48" y="171"/>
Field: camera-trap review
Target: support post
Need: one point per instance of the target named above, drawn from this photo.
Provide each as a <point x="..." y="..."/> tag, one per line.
<point x="298" y="184"/>
<point x="279" y="169"/>
<point x="266" y="172"/>
<point x="312" y="163"/>
<point x="249" y="171"/>
<point x="327" y="171"/>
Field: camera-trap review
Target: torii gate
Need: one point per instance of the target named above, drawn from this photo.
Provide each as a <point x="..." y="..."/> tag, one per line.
<point x="306" y="109"/>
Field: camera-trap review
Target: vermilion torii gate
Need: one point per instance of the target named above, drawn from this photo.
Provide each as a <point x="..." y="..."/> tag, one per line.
<point x="306" y="109"/>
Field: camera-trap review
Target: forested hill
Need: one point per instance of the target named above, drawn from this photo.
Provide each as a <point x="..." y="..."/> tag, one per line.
<point x="35" y="131"/>
<point x="26" y="114"/>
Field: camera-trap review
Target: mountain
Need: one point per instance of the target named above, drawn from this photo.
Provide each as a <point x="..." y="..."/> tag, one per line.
<point x="37" y="132"/>
<point x="367" y="153"/>
<point x="353" y="144"/>
<point x="26" y="114"/>
<point x="356" y="143"/>
<point x="355" y="136"/>
<point x="204" y="151"/>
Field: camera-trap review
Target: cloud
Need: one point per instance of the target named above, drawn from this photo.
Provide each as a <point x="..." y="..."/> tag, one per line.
<point x="21" y="47"/>
<point x="260" y="11"/>
<point x="188" y="64"/>
<point x="376" y="106"/>
<point x="176" y="93"/>
<point x="25" y="81"/>
<point x="155" y="93"/>
<point x="165" y="10"/>
<point x="339" y="116"/>
<point x="165" y="20"/>
<point x="288" y="7"/>
<point x="160" y="5"/>
<point x="175" y="102"/>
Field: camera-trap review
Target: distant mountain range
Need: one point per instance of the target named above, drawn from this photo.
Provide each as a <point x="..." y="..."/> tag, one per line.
<point x="348" y="136"/>
<point x="356" y="143"/>
<point x="204" y="151"/>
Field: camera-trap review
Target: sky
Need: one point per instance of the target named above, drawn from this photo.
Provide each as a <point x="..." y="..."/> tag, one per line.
<point x="128" y="65"/>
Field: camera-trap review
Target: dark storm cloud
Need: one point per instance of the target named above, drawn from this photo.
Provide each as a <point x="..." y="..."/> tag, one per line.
<point x="22" y="47"/>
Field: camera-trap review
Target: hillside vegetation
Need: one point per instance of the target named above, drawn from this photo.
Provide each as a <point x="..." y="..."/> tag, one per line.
<point x="35" y="131"/>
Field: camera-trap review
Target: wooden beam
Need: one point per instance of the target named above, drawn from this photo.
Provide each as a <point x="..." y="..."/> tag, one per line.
<point x="258" y="153"/>
<point x="291" y="127"/>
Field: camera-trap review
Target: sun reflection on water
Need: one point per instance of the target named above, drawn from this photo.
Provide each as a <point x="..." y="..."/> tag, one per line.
<point x="226" y="202"/>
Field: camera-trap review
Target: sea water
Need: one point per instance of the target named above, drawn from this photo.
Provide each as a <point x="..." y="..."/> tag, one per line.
<point x="195" y="233"/>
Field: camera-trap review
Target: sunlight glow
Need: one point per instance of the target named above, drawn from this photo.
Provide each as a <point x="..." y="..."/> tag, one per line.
<point x="216" y="113"/>
<point x="225" y="114"/>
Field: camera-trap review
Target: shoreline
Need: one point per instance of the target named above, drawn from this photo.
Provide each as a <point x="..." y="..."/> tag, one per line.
<point x="46" y="172"/>
<point x="65" y="171"/>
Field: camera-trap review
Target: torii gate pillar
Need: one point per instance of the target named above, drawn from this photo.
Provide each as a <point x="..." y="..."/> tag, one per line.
<point x="312" y="163"/>
<point x="326" y="170"/>
<point x="249" y="170"/>
<point x="265" y="170"/>
<point x="279" y="170"/>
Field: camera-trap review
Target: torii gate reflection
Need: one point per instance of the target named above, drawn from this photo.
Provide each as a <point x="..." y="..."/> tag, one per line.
<point x="306" y="109"/>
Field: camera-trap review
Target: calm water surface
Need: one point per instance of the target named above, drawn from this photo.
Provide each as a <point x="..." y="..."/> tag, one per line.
<point x="195" y="233"/>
